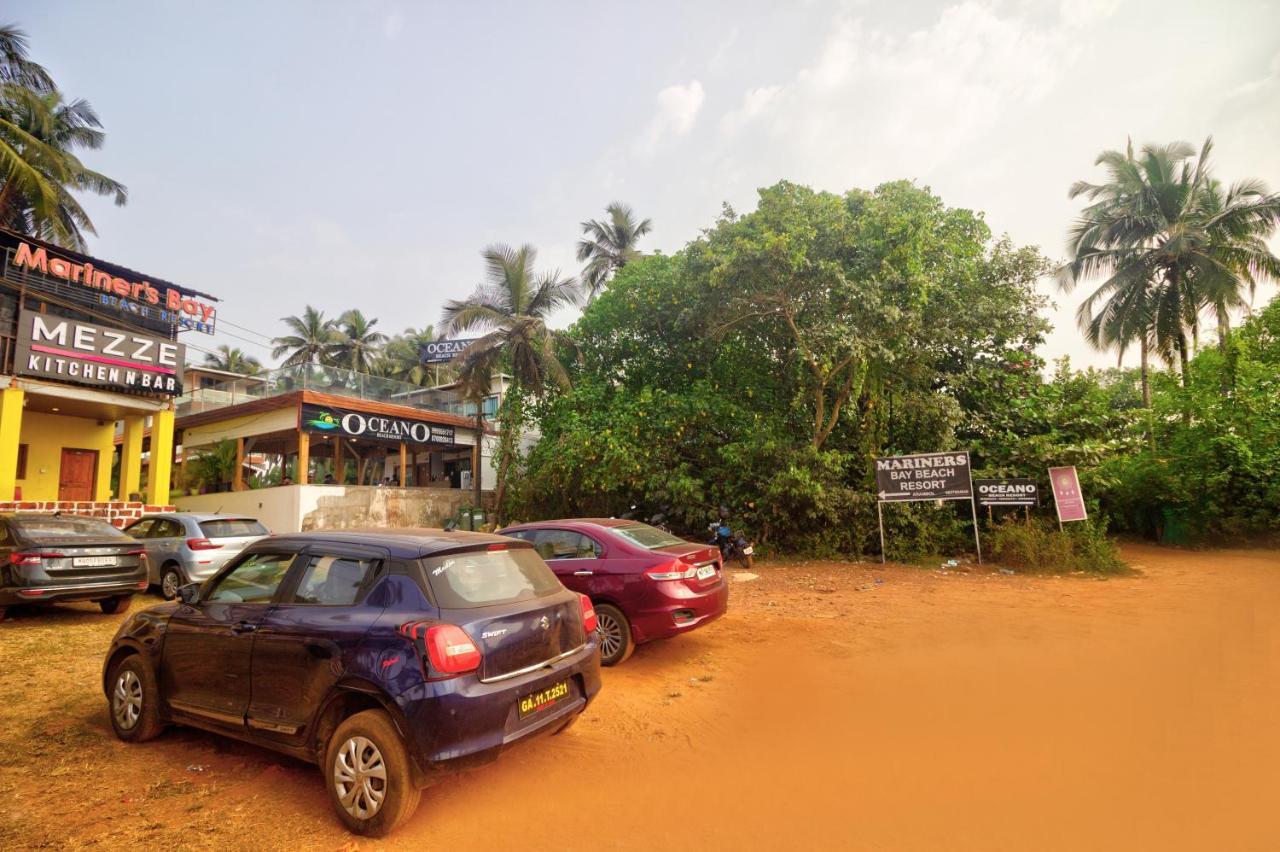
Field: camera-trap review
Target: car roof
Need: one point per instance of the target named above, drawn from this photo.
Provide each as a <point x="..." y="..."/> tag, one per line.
<point x="608" y="523"/>
<point x="406" y="542"/>
<point x="200" y="516"/>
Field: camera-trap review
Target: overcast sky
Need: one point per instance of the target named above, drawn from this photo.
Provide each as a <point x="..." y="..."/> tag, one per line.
<point x="360" y="154"/>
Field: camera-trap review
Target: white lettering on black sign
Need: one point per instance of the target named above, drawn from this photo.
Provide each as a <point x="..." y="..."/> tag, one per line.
<point x="928" y="476"/>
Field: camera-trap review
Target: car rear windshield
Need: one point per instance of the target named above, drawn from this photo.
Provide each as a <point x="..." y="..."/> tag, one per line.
<point x="647" y="536"/>
<point x="65" y="528"/>
<point x="486" y="577"/>
<point x="231" y="528"/>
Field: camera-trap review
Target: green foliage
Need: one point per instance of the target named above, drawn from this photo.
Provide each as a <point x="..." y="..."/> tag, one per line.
<point x="214" y="468"/>
<point x="1038" y="545"/>
<point x="765" y="364"/>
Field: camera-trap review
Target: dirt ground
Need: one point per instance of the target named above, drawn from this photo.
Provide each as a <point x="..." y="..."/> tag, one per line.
<point x="843" y="705"/>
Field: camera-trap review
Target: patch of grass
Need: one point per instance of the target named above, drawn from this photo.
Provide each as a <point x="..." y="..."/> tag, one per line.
<point x="1040" y="547"/>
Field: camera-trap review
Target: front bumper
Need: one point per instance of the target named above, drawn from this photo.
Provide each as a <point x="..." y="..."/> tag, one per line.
<point x="463" y="722"/>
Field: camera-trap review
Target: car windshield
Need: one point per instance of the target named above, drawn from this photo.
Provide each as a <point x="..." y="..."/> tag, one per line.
<point x="231" y="528"/>
<point x="65" y="528"/>
<point x="486" y="577"/>
<point x="647" y="536"/>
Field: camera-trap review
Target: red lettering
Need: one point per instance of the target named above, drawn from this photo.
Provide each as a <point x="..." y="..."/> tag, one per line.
<point x="138" y="287"/>
<point x="120" y="286"/>
<point x="101" y="280"/>
<point x="59" y="267"/>
<point x="173" y="300"/>
<point x="36" y="259"/>
<point x="153" y="295"/>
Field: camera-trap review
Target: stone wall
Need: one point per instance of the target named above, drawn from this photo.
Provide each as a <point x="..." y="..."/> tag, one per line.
<point x="117" y="513"/>
<point x="356" y="507"/>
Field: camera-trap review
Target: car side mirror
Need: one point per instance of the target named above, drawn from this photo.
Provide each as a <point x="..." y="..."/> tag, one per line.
<point x="189" y="594"/>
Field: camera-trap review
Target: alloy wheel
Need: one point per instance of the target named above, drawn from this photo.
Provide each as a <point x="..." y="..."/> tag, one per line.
<point x="169" y="584"/>
<point x="610" y="634"/>
<point x="126" y="700"/>
<point x="360" y="777"/>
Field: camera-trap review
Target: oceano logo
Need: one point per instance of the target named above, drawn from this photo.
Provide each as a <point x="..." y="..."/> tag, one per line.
<point x="358" y="424"/>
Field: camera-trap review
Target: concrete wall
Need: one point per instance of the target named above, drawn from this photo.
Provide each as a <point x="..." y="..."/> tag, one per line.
<point x="293" y="508"/>
<point x="46" y="435"/>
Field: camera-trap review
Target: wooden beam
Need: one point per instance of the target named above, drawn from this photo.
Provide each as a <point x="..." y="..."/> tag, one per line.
<point x="404" y="465"/>
<point x="339" y="461"/>
<point x="304" y="456"/>
<point x="237" y="478"/>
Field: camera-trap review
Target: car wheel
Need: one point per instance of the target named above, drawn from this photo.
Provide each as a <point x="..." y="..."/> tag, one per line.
<point x="170" y="582"/>
<point x="4" y="610"/>
<point x="616" y="643"/>
<point x="369" y="775"/>
<point x="134" y="700"/>
<point x="120" y="603"/>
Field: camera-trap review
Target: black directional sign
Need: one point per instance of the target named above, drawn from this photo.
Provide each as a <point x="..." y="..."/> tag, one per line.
<point x="1007" y="492"/>
<point x="927" y="476"/>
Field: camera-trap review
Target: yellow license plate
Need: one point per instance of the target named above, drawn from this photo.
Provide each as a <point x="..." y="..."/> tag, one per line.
<point x="545" y="699"/>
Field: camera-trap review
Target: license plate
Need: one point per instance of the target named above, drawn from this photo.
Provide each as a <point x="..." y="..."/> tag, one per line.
<point x="93" y="561"/>
<point x="544" y="700"/>
<point x="706" y="571"/>
<point x="747" y="551"/>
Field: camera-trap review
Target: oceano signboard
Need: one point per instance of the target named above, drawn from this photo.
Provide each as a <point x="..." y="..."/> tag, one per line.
<point x="925" y="476"/>
<point x="376" y="427"/>
<point x="1007" y="492"/>
<point x="443" y="351"/>
<point x="63" y="349"/>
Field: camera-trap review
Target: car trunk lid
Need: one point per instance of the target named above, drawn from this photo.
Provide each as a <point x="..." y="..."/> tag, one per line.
<point x="698" y="556"/>
<point x="513" y="638"/>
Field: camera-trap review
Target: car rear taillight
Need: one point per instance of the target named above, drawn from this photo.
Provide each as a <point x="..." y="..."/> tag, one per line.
<point x="447" y="648"/>
<point x="676" y="570"/>
<point x="202" y="544"/>
<point x="588" y="614"/>
<point x="32" y="558"/>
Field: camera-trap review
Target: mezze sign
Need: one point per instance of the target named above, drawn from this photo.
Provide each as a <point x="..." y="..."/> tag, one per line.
<point x="925" y="476"/>
<point x="375" y="427"/>
<point x="1007" y="492"/>
<point x="55" y="347"/>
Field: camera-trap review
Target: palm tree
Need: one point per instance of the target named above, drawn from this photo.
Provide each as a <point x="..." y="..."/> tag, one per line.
<point x="608" y="245"/>
<point x="39" y="133"/>
<point x="512" y="307"/>
<point x="402" y="357"/>
<point x="356" y="345"/>
<point x="1169" y="244"/>
<point x="233" y="360"/>
<point x="311" y="338"/>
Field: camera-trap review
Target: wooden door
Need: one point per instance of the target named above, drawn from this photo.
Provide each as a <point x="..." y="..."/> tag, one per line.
<point x="78" y="474"/>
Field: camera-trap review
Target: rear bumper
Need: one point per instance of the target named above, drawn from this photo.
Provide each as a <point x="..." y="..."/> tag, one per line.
<point x="49" y="593"/>
<point x="670" y="607"/>
<point x="460" y="723"/>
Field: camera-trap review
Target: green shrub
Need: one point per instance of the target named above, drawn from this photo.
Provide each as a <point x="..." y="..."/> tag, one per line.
<point x="1040" y="546"/>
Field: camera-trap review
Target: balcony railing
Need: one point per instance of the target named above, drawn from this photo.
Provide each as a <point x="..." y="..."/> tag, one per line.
<point x="330" y="380"/>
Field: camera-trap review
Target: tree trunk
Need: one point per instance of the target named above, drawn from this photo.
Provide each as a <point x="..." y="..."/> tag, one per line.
<point x="1145" y="369"/>
<point x="1184" y="360"/>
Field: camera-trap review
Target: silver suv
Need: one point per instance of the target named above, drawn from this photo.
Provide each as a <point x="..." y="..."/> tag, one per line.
<point x="188" y="547"/>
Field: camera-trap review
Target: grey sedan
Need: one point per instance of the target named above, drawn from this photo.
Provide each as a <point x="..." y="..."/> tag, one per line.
<point x="187" y="547"/>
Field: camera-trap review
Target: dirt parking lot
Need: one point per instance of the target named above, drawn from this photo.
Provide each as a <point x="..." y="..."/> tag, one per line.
<point x="842" y="705"/>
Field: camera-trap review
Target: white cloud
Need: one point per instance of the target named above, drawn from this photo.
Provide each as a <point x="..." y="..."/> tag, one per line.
<point x="754" y="103"/>
<point x="678" y="108"/>
<point x="1082" y="13"/>
<point x="392" y="24"/>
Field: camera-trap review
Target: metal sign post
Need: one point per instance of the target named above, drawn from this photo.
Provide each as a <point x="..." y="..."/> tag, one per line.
<point x="925" y="476"/>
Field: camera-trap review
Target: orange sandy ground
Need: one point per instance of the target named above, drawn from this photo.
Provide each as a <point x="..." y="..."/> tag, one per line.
<point x="930" y="711"/>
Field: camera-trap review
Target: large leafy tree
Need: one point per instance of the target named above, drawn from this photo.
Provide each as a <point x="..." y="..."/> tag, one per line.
<point x="402" y="357"/>
<point x="40" y="133"/>
<point x="310" y="338"/>
<point x="1169" y="244"/>
<point x="607" y="245"/>
<point x="233" y="360"/>
<point x="511" y="307"/>
<point x="356" y="345"/>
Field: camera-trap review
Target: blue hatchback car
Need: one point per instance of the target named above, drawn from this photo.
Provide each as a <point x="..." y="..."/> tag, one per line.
<point x="385" y="657"/>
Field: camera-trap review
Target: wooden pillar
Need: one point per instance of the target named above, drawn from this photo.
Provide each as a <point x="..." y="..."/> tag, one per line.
<point x="237" y="478"/>
<point x="404" y="465"/>
<point x="304" y="456"/>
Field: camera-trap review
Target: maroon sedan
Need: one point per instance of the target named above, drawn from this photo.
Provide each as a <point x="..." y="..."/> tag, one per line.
<point x="646" y="584"/>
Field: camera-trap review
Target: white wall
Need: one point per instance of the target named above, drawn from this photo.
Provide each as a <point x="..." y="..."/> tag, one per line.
<point x="277" y="508"/>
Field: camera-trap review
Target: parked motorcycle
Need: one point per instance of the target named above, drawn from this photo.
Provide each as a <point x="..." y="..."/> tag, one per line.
<point x="732" y="544"/>
<point x="657" y="519"/>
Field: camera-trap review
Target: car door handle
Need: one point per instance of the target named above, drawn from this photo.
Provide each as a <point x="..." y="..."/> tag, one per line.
<point x="583" y="573"/>
<point x="243" y="627"/>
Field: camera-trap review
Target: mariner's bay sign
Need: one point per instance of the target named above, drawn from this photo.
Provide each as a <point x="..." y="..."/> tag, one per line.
<point x="327" y="419"/>
<point x="925" y="476"/>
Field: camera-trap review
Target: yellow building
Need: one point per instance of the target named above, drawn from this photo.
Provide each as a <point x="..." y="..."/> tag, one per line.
<point x="86" y="345"/>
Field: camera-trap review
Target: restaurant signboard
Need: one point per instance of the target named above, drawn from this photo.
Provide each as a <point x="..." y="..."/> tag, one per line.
<point x="443" y="351"/>
<point x="64" y="349"/>
<point x="1007" y="492"/>
<point x="328" y="420"/>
